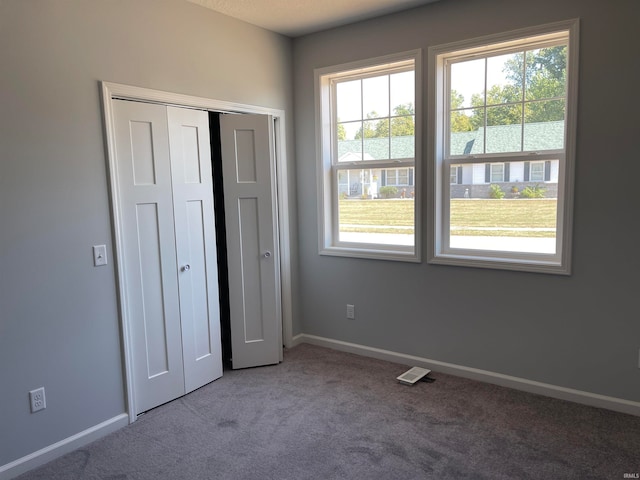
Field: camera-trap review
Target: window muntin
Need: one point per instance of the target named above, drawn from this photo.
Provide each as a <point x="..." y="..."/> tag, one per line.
<point x="507" y="103"/>
<point x="368" y="118"/>
<point x="375" y="118"/>
<point x="505" y="100"/>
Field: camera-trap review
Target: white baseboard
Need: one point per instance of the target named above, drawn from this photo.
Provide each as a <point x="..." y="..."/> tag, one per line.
<point x="36" y="459"/>
<point x="554" y="391"/>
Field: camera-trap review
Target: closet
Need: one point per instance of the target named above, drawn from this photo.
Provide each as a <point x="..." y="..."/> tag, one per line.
<point x="164" y="201"/>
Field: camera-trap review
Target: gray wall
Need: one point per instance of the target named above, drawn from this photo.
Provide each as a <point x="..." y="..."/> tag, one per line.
<point x="581" y="331"/>
<point x="59" y="326"/>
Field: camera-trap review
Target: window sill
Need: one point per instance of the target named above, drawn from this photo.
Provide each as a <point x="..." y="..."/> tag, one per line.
<point x="371" y="253"/>
<point x="499" y="263"/>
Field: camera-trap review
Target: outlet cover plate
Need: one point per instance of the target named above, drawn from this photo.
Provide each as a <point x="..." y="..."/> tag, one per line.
<point x="351" y="312"/>
<point x="37" y="399"/>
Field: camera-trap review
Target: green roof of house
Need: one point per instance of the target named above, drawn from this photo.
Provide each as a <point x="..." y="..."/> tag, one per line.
<point x="500" y="138"/>
<point x="377" y="148"/>
<point x="507" y="138"/>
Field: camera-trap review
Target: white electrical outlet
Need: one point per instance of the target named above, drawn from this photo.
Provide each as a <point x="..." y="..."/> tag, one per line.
<point x="351" y="312"/>
<point x="37" y="399"/>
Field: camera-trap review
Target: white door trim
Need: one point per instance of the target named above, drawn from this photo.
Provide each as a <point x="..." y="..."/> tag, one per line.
<point x="111" y="91"/>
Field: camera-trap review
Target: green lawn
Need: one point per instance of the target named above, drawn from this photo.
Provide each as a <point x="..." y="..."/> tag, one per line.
<point x="468" y="217"/>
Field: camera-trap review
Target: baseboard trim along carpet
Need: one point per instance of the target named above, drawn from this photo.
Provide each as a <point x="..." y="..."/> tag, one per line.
<point x="36" y="459"/>
<point x="553" y="391"/>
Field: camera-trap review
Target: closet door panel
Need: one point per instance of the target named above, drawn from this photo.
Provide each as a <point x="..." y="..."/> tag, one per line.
<point x="248" y="162"/>
<point x="192" y="185"/>
<point x="151" y="287"/>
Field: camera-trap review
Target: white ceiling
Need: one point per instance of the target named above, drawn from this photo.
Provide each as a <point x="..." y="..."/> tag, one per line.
<point x="299" y="17"/>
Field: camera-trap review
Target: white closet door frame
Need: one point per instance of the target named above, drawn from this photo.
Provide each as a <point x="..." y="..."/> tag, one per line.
<point x="111" y="91"/>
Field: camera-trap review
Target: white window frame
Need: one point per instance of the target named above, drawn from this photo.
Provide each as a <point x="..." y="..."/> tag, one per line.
<point x="438" y="223"/>
<point x="327" y="164"/>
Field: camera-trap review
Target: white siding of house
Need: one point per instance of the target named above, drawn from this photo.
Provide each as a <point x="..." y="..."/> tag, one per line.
<point x="555" y="166"/>
<point x="474" y="174"/>
<point x="467" y="174"/>
<point x="478" y="173"/>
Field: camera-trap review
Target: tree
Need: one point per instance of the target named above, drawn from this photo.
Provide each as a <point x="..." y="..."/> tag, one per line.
<point x="368" y="130"/>
<point x="550" y="62"/>
<point x="401" y="123"/>
<point x="459" y="121"/>
<point x="542" y="77"/>
<point x="501" y="115"/>
<point x="342" y="132"/>
<point x="542" y="86"/>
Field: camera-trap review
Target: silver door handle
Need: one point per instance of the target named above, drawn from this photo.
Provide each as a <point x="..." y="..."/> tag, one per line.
<point x="186" y="267"/>
<point x="266" y="254"/>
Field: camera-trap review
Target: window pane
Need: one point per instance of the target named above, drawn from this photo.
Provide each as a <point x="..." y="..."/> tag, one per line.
<point x="392" y="177"/>
<point x="403" y="137"/>
<point x="536" y="173"/>
<point x="402" y="91"/>
<point x="520" y="219"/>
<point x="546" y="73"/>
<point x="376" y="96"/>
<point x="375" y="129"/>
<point x="497" y="172"/>
<point x="403" y="126"/>
<point x="466" y="138"/>
<point x="453" y="175"/>
<point x="349" y="130"/>
<point x="349" y="100"/>
<point x="544" y="125"/>
<point x="343" y="177"/>
<point x="467" y="83"/>
<point x="349" y="141"/>
<point x="371" y="213"/>
<point x="504" y="78"/>
<point x="504" y="129"/>
<point x="376" y="148"/>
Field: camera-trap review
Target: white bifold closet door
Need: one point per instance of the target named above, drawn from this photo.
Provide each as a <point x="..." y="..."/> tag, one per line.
<point x="248" y="163"/>
<point x="167" y="234"/>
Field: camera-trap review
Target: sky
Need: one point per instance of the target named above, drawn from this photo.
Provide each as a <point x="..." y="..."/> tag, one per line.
<point x="468" y="77"/>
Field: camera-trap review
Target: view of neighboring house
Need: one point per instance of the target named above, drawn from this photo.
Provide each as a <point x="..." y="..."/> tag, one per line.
<point x="368" y="182"/>
<point x="473" y="180"/>
<point x="469" y="180"/>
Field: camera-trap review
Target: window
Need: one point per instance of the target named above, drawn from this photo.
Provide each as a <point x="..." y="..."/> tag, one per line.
<point x="367" y="116"/>
<point x="504" y="113"/>
<point x="398" y="176"/>
<point x="453" y="177"/>
<point x="496" y="172"/>
<point x="536" y="172"/>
